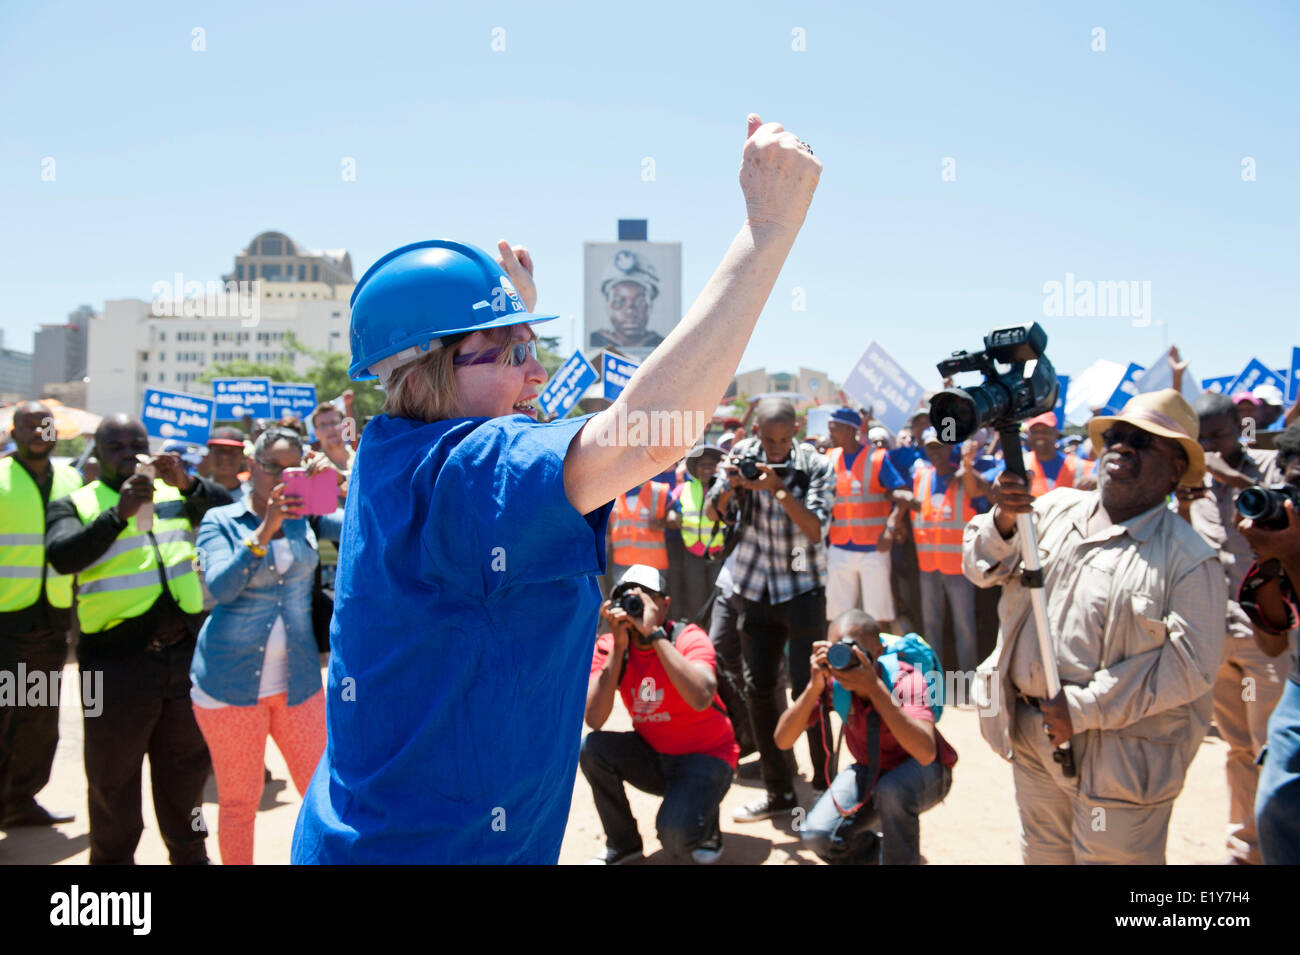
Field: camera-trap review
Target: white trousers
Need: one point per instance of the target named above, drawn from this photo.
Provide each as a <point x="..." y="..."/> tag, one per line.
<point x="858" y="579"/>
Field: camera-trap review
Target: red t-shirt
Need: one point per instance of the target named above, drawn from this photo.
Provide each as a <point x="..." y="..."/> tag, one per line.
<point x="659" y="713"/>
<point x="910" y="691"/>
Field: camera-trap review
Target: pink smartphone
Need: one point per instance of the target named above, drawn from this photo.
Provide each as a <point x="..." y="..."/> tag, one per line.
<point x="320" y="494"/>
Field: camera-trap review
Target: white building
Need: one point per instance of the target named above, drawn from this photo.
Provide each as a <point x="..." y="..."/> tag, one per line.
<point x="169" y="342"/>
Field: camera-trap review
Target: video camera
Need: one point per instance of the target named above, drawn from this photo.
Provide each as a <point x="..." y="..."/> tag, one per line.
<point x="1005" y="399"/>
<point x="1266" y="506"/>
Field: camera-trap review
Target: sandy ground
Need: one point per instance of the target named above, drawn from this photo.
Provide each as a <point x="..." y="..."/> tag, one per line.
<point x="976" y="824"/>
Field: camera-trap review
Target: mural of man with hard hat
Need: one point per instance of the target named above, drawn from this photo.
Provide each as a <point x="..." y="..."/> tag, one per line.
<point x="634" y="299"/>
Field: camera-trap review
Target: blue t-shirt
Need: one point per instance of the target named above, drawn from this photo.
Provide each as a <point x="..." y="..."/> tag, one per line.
<point x="905" y="457"/>
<point x="465" y="607"/>
<point x="889" y="478"/>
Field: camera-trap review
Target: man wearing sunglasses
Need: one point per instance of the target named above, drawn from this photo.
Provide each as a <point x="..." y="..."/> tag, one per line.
<point x="1136" y="602"/>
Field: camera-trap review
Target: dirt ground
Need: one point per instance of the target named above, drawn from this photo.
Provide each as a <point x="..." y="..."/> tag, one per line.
<point x="975" y="824"/>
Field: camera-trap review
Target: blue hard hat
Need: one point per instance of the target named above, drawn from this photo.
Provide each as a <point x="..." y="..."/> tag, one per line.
<point x="429" y="290"/>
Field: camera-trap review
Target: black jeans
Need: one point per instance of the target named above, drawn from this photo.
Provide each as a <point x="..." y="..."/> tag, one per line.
<point x="146" y="710"/>
<point x="692" y="786"/>
<point x="765" y="631"/>
<point x="698" y="579"/>
<point x="724" y="632"/>
<point x="33" y="732"/>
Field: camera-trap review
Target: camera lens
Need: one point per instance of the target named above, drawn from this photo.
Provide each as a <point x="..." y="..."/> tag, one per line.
<point x="840" y="657"/>
<point x="1253" y="503"/>
<point x="633" y="604"/>
<point x="953" y="414"/>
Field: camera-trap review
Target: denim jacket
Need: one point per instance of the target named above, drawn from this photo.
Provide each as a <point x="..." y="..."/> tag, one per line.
<point x="250" y="594"/>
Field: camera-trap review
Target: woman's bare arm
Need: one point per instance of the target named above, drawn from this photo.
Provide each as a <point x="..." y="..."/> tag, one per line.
<point x="680" y="384"/>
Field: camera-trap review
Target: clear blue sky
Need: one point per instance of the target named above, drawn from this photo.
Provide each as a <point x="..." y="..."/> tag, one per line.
<point x="1114" y="166"/>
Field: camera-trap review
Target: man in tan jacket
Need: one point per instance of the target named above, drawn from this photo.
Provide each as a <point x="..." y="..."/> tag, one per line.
<point x="1136" y="602"/>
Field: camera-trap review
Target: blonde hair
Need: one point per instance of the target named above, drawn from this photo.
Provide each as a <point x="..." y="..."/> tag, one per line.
<point x="426" y="390"/>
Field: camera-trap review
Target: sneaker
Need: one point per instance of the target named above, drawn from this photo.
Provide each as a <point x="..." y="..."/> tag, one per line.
<point x="614" y="857"/>
<point x="709" y="851"/>
<point x="765" y="807"/>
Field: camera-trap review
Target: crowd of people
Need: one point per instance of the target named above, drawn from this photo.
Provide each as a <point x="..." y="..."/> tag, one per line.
<point x="187" y="588"/>
<point x="502" y="579"/>
<point x="1142" y="569"/>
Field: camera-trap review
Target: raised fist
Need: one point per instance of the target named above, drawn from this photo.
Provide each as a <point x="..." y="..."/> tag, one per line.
<point x="777" y="176"/>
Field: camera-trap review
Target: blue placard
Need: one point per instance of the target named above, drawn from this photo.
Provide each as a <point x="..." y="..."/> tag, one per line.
<point x="1293" y="389"/>
<point x="236" y="397"/>
<point x="1125" y="390"/>
<point x="1064" y="382"/>
<point x="1256" y="373"/>
<point x="616" y="372"/>
<point x="296" y="396"/>
<point x="879" y="384"/>
<point x="1217" y="385"/>
<point x="571" y="379"/>
<point x="174" y="414"/>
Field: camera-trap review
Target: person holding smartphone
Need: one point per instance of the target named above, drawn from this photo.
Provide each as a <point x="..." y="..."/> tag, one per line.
<point x="256" y="672"/>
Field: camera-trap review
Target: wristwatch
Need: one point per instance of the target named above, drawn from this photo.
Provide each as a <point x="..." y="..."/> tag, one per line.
<point x="782" y="494"/>
<point x="658" y="633"/>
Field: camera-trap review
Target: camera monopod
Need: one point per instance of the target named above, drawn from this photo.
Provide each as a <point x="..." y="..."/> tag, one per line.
<point x="1033" y="579"/>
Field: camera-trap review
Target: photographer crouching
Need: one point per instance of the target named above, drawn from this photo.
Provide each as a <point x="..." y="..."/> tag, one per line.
<point x="1268" y="595"/>
<point x="682" y="746"/>
<point x="902" y="765"/>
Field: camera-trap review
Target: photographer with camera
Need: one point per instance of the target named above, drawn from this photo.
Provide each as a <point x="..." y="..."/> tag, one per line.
<point x="1242" y="718"/>
<point x="902" y="765"/>
<point x="1268" y="596"/>
<point x="1135" y="603"/>
<point x="682" y="746"/>
<point x="785" y="491"/>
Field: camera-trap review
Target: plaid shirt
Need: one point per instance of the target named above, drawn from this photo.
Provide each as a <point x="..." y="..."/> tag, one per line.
<point x="774" y="560"/>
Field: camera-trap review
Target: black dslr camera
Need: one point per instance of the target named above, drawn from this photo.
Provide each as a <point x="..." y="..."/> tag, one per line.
<point x="839" y="656"/>
<point x="1005" y="399"/>
<point x="631" y="603"/>
<point x="747" y="463"/>
<point x="1266" y="506"/>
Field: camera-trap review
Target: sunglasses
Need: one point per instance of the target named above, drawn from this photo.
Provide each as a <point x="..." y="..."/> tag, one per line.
<point x="520" y="352"/>
<point x="1134" y="438"/>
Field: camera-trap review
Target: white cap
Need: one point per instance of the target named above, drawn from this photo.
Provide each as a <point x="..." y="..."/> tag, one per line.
<point x="639" y="575"/>
<point x="1269" y="394"/>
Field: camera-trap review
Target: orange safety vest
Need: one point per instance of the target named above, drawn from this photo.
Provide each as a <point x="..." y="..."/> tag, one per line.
<point x="1038" y="482"/>
<point x="859" y="515"/>
<point x="635" y="541"/>
<point x="938" y="530"/>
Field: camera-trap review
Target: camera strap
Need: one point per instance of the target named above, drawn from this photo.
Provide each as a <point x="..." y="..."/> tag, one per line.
<point x="873" y="754"/>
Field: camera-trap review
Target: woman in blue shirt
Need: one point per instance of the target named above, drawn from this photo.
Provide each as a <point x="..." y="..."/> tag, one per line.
<point x="256" y="670"/>
<point x="466" y="599"/>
